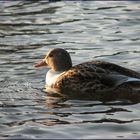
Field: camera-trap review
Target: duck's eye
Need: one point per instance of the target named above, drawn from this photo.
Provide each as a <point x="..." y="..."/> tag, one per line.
<point x="50" y="55"/>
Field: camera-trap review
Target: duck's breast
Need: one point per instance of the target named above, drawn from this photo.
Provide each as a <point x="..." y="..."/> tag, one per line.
<point x="51" y="77"/>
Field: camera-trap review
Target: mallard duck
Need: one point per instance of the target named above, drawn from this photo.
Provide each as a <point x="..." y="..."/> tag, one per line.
<point x="97" y="80"/>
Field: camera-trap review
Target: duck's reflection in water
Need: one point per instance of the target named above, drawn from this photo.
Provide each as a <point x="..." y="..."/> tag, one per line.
<point x="63" y="111"/>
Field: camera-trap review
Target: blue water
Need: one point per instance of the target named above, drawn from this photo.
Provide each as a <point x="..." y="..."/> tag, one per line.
<point x="99" y="30"/>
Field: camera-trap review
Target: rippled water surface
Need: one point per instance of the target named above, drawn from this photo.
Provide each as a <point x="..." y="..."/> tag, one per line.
<point x="104" y="30"/>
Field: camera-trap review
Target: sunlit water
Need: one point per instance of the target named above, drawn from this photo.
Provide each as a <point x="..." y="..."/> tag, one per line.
<point x="102" y="30"/>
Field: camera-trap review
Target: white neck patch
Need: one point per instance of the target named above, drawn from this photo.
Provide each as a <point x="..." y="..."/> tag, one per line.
<point x="52" y="76"/>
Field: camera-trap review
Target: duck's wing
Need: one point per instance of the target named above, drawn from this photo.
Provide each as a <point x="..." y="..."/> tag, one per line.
<point x="111" y="67"/>
<point x="116" y="80"/>
<point x="117" y="75"/>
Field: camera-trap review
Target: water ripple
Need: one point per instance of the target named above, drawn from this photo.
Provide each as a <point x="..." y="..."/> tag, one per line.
<point x="105" y="30"/>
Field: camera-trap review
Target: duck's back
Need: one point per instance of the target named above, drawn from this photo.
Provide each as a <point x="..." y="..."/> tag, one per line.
<point x="115" y="68"/>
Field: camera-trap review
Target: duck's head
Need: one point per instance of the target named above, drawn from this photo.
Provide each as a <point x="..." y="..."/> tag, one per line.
<point x="57" y="59"/>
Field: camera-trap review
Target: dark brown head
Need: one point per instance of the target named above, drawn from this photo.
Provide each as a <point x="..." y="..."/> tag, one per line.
<point x="57" y="59"/>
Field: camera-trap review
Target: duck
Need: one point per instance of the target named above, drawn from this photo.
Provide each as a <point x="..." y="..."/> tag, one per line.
<point x="96" y="79"/>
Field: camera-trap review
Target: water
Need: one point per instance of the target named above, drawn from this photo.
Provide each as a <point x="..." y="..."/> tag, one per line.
<point x="104" y="30"/>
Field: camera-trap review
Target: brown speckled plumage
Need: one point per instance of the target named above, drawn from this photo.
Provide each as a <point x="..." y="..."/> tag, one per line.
<point x="86" y="80"/>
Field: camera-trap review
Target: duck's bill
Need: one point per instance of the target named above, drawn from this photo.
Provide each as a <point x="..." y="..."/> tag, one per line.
<point x="41" y="64"/>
